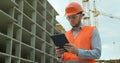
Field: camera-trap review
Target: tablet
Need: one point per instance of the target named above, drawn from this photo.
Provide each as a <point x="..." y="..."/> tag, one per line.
<point x="59" y="40"/>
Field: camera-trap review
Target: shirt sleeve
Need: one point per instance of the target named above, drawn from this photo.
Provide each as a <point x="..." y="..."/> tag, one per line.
<point x="95" y="53"/>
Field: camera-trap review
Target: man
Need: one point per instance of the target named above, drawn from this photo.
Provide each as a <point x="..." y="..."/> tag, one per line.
<point x="84" y="41"/>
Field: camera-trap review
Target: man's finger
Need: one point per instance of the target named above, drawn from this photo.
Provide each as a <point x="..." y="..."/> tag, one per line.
<point x="67" y="47"/>
<point x="60" y="50"/>
<point x="56" y="47"/>
<point x="68" y="44"/>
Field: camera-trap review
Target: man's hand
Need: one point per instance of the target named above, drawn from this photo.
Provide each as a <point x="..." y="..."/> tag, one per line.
<point x="71" y="48"/>
<point x="59" y="51"/>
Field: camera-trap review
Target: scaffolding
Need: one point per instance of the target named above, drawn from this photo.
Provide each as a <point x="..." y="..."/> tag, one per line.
<point x="25" y="29"/>
<point x="86" y="7"/>
<point x="108" y="61"/>
<point x="87" y="11"/>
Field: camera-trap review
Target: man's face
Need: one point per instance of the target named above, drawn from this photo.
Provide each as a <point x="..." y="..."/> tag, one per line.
<point x="74" y="19"/>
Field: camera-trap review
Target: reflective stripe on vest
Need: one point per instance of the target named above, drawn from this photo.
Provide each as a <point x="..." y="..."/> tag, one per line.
<point x="82" y="40"/>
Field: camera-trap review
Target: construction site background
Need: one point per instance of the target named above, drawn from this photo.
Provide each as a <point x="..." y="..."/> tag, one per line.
<point x="26" y="27"/>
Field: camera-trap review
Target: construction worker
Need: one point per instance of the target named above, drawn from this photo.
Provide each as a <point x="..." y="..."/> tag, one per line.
<point x="84" y="41"/>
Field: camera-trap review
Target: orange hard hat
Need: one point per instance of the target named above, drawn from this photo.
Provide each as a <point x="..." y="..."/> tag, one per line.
<point x="73" y="8"/>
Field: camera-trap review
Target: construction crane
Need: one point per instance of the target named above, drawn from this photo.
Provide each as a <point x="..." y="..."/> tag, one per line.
<point x="87" y="10"/>
<point x="110" y="16"/>
<point x="97" y="13"/>
<point x="87" y="18"/>
<point x="86" y="6"/>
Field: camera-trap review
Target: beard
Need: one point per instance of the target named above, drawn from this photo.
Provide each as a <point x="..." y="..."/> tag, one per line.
<point x="77" y="25"/>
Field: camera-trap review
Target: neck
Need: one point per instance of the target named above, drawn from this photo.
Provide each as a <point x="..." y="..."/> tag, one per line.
<point x="76" y="27"/>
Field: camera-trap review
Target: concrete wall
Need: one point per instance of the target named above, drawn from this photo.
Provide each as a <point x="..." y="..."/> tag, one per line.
<point x="25" y="29"/>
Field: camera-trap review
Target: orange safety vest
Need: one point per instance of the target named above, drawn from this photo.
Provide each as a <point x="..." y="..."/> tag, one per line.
<point x="82" y="40"/>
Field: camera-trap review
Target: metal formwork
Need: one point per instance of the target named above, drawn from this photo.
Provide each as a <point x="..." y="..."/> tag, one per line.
<point x="25" y="29"/>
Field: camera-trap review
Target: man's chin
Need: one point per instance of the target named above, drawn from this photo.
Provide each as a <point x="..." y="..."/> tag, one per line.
<point x="75" y="25"/>
<point x="72" y="25"/>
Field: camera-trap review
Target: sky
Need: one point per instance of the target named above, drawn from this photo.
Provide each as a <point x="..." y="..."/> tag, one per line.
<point x="108" y="27"/>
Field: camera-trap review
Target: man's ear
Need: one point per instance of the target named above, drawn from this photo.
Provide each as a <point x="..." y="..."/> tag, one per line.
<point x="83" y="14"/>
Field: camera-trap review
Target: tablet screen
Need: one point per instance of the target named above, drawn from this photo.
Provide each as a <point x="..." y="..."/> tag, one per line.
<point x="59" y="40"/>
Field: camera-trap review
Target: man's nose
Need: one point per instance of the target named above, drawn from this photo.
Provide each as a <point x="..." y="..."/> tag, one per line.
<point x="72" y="20"/>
